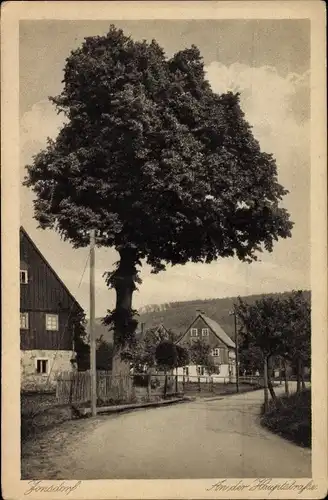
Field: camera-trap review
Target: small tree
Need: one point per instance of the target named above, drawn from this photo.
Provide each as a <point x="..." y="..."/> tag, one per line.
<point x="164" y="169"/>
<point x="200" y="354"/>
<point x="296" y="348"/>
<point x="104" y="355"/>
<point x="167" y="355"/>
<point x="275" y="326"/>
<point x="182" y="356"/>
<point x="77" y="325"/>
<point x="250" y="358"/>
<point x="142" y="352"/>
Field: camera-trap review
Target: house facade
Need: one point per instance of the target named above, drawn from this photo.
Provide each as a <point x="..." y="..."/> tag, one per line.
<point x="46" y="305"/>
<point x="222" y="351"/>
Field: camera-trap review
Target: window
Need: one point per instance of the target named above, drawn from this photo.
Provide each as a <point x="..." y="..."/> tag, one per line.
<point x="205" y="332"/>
<point x="200" y="370"/>
<point x="24" y="321"/>
<point x="23" y="277"/>
<point x="216" y="352"/>
<point x="193" y="332"/>
<point x="186" y="370"/>
<point x="52" y="322"/>
<point x="42" y="366"/>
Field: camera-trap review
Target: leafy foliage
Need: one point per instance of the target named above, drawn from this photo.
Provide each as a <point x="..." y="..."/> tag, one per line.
<point x="104" y="355"/>
<point x="104" y="349"/>
<point x="250" y="359"/>
<point x="169" y="355"/>
<point x="141" y="352"/>
<point x="290" y="417"/>
<point x="182" y="355"/>
<point x="150" y="152"/>
<point x="200" y="354"/>
<point x="277" y="328"/>
<point x="164" y="169"/>
<point x="166" y="355"/>
<point x="77" y="324"/>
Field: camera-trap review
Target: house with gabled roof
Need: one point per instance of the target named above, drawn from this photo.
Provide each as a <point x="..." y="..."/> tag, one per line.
<point x="222" y="349"/>
<point x="46" y="308"/>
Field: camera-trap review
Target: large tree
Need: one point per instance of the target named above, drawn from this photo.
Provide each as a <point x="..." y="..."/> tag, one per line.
<point x="164" y="169"/>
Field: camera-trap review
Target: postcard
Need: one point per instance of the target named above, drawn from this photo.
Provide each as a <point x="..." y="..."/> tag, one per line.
<point x="164" y="199"/>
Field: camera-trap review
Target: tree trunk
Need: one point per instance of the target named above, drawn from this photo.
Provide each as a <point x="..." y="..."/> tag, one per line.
<point x="124" y="284"/>
<point x="286" y="377"/>
<point x="299" y="368"/>
<point x="302" y="377"/>
<point x="265" y="379"/>
<point x="165" y="385"/>
<point x="270" y="386"/>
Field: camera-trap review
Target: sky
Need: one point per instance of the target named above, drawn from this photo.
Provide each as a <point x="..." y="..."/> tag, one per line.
<point x="268" y="62"/>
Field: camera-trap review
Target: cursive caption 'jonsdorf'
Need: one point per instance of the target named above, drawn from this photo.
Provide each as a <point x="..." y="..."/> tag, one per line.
<point x="42" y="487"/>
<point x="263" y="485"/>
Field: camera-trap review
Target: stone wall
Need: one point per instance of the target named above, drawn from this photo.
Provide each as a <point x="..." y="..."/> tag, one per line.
<point x="56" y="361"/>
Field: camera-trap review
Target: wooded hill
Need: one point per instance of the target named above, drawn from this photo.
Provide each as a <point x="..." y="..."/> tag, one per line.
<point x="177" y="316"/>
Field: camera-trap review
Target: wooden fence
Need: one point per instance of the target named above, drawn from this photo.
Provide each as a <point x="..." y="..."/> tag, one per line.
<point x="75" y="387"/>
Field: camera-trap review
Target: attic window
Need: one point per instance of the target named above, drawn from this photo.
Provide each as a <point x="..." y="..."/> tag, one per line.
<point x="52" y="322"/>
<point x="23" y="277"/>
<point x="205" y="332"/>
<point x="193" y="332"/>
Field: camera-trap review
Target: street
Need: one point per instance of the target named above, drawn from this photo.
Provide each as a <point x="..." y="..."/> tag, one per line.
<point x="202" y="439"/>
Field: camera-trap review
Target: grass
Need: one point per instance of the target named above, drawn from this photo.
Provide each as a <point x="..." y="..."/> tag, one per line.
<point x="40" y="411"/>
<point x="290" y="417"/>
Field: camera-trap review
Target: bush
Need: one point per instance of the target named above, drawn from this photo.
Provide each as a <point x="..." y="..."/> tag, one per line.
<point x="155" y="382"/>
<point x="290" y="417"/>
<point x="140" y="380"/>
<point x="40" y="411"/>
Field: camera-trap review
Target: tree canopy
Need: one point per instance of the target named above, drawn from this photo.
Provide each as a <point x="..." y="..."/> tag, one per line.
<point x="163" y="168"/>
<point x="153" y="159"/>
<point x="200" y="353"/>
<point x="276" y="327"/>
<point x="169" y="355"/>
<point x="142" y="352"/>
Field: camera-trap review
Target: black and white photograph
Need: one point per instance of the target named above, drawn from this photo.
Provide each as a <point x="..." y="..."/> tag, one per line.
<point x="167" y="251"/>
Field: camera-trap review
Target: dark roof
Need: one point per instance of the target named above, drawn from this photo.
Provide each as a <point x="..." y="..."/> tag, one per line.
<point x="216" y="329"/>
<point x="22" y="231"/>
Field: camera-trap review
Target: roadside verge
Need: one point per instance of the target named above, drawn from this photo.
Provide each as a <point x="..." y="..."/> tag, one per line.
<point x="86" y="412"/>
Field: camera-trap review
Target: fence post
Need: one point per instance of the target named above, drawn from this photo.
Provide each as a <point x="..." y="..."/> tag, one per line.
<point x="183" y="383"/>
<point x="165" y="385"/>
<point x="176" y="384"/>
<point x="71" y="388"/>
<point x="199" y="386"/>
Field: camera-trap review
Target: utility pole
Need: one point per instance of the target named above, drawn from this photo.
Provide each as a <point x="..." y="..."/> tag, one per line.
<point x="237" y="349"/>
<point x="93" y="369"/>
<point x="234" y="314"/>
